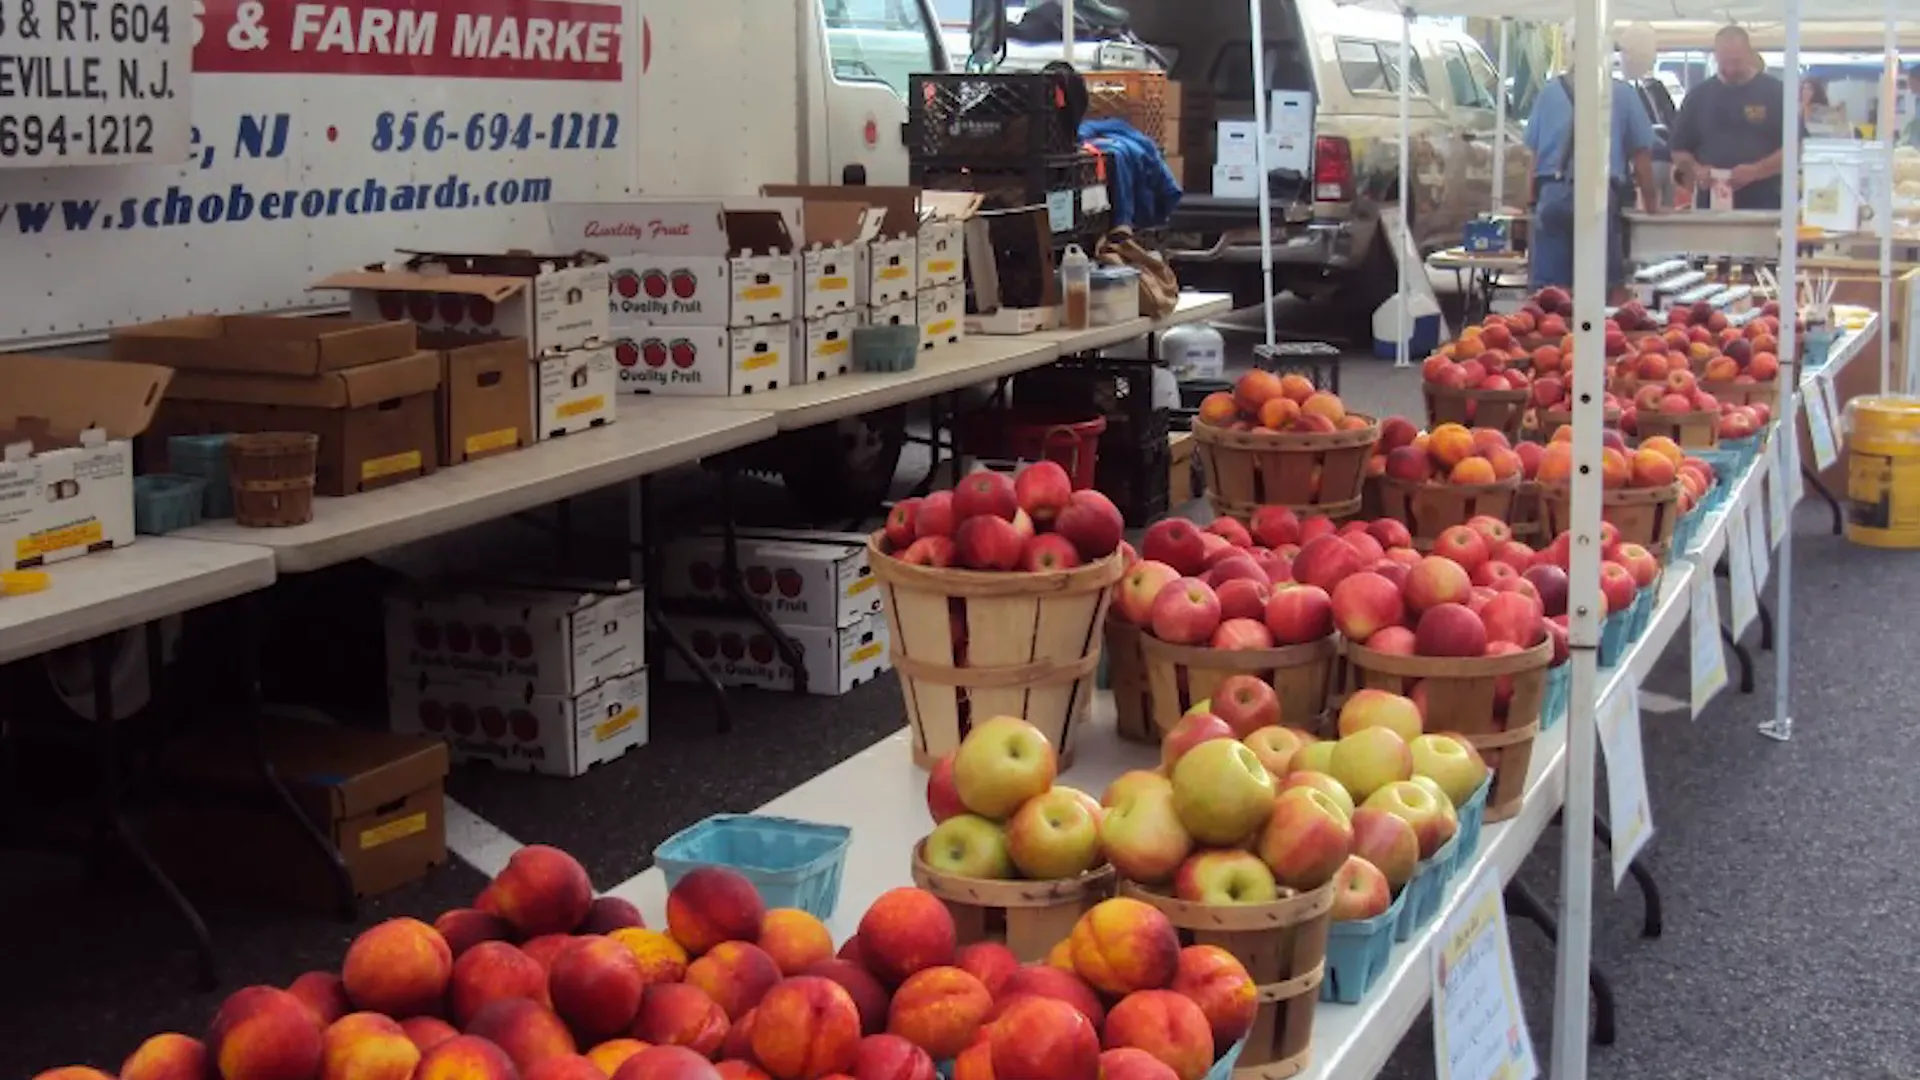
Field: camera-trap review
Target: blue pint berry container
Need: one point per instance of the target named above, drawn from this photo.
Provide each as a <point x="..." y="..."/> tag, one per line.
<point x="794" y="864"/>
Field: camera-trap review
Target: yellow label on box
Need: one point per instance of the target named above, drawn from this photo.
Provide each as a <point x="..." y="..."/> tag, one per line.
<point x="614" y="725"/>
<point x="760" y="360"/>
<point x="865" y="653"/>
<point x="862" y="585"/>
<point x="833" y="284"/>
<point x="888" y="273"/>
<point x="46" y="542"/>
<point x="397" y="829"/>
<point x="391" y="465"/>
<point x="942" y="266"/>
<point x="492" y="440"/>
<point x="761" y="292"/>
<point x="583" y="405"/>
<point x="830" y="348"/>
<point x="941" y="328"/>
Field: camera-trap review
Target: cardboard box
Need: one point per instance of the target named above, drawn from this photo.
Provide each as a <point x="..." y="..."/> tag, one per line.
<point x="690" y="262"/>
<point x="377" y="422"/>
<point x="575" y="390"/>
<point x="739" y="652"/>
<point x="942" y="313"/>
<point x="554" y="642"/>
<point x="263" y="344"/>
<point x="888" y="269"/>
<point x="556" y="302"/>
<point x="834" y="236"/>
<point x="379" y="796"/>
<point x="904" y="312"/>
<point x="66" y="454"/>
<point x="705" y="361"/>
<point x="1235" y="142"/>
<point x="553" y="734"/>
<point x="942" y="246"/>
<point x="486" y="402"/>
<point x="1180" y="489"/>
<point x="1013" y="321"/>
<point x="827" y="351"/>
<point x="1236" y="181"/>
<point x="797" y="576"/>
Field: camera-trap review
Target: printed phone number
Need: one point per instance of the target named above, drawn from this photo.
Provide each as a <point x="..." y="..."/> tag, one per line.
<point x="32" y="136"/>
<point x="401" y="133"/>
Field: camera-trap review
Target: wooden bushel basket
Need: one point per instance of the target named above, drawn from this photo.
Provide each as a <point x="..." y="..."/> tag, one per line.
<point x="1644" y="516"/>
<point x="1465" y="691"/>
<point x="1692" y="430"/>
<point x="1127" y="679"/>
<point x="1501" y="409"/>
<point x="971" y="645"/>
<point x="1428" y="509"/>
<point x="1180" y="675"/>
<point x="1031" y="917"/>
<point x="1284" y="947"/>
<point x="1306" y="472"/>
<point x="1524" y="518"/>
<point x="1748" y="393"/>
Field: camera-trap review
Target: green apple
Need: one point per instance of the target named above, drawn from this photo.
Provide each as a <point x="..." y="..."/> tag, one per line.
<point x="1142" y="837"/>
<point x="1418" y="807"/>
<point x="1001" y="764"/>
<point x="969" y="846"/>
<point x="1131" y="781"/>
<point x="1054" y="836"/>
<point x="1368" y="760"/>
<point x="1378" y="708"/>
<point x="1321" y="782"/>
<point x="1451" y="762"/>
<point x="1225" y="877"/>
<point x="1222" y="792"/>
<point x="1313" y="757"/>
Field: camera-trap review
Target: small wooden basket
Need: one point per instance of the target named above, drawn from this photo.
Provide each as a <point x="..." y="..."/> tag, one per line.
<point x="1692" y="430"/>
<point x="1127" y="679"/>
<point x="1644" y="516"/>
<point x="1180" y="675"/>
<point x="1429" y="508"/>
<point x="971" y="645"/>
<point x="1309" y="473"/>
<point x="1031" y="917"/>
<point x="1284" y="947"/>
<point x="272" y="477"/>
<point x="1465" y="692"/>
<point x="1501" y="409"/>
<point x="1552" y="420"/>
<point x="1524" y="518"/>
<point x="1745" y="393"/>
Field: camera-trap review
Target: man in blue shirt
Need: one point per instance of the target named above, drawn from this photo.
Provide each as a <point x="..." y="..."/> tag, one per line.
<point x="1550" y="137"/>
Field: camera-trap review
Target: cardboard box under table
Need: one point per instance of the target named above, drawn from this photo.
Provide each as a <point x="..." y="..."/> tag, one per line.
<point x="738" y="651"/>
<point x="796" y="577"/>
<point x="66" y="455"/>
<point x="501" y="723"/>
<point x="376" y="422"/>
<point x="556" y="642"/>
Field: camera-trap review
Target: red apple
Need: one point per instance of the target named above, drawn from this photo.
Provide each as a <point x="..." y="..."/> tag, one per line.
<point x="1463" y="544"/>
<point x="1230" y="530"/>
<point x="1275" y="525"/>
<point x="1437" y="579"/>
<point x="1243" y="598"/>
<point x="1176" y="542"/>
<point x="1186" y="612"/>
<point x="1242" y="634"/>
<point x="943" y="795"/>
<point x="1046" y="552"/>
<point x="1616" y="584"/>
<point x="1514" y="618"/>
<point x="1043" y="489"/>
<point x="1247" y="703"/>
<point x="1390" y="533"/>
<point x="935" y="516"/>
<point x="988" y="542"/>
<point x="1299" y="613"/>
<point x="1324" y="560"/>
<point x="1364" y="603"/>
<point x="985" y="492"/>
<point x="929" y="551"/>
<point x="1450" y="630"/>
<point x="1551" y="583"/>
<point x="1093" y="523"/>
<point x="1140" y="588"/>
<point x="900" y="524"/>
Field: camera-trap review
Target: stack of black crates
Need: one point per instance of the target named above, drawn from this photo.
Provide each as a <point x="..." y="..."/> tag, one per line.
<point x="1135" y="459"/>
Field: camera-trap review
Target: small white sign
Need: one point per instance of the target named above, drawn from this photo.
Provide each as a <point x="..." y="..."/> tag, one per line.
<point x="1757" y="541"/>
<point x="1836" y="409"/>
<point x="1627" y="805"/>
<point x="1709" y="661"/>
<point x="1745" y="596"/>
<point x="95" y="83"/>
<point x="1479" y="1032"/>
<point x="1060" y="211"/>
<point x="1826" y="449"/>
<point x="1780" y="508"/>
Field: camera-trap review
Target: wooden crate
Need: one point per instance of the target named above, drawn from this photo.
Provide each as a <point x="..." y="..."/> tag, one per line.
<point x="1030" y="917"/>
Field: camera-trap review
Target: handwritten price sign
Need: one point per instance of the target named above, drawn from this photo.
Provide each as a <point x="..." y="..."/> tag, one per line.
<point x="1479" y="1032"/>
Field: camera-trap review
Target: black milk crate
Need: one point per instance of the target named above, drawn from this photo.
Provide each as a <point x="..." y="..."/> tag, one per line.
<point x="1136" y="476"/>
<point x="1121" y="390"/>
<point x="1070" y="186"/>
<point x="981" y="118"/>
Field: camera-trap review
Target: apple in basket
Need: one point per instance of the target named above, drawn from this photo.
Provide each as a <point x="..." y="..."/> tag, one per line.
<point x="1001" y="764"/>
<point x="1177" y="542"/>
<point x="1186" y="612"/>
<point x="1222" y="792"/>
<point x="1322" y="783"/>
<point x="1451" y="762"/>
<point x="1360" y="891"/>
<point x="969" y="846"/>
<point x="1306" y="838"/>
<point x="1197" y="726"/>
<point x="1227" y="876"/>
<point x="1043" y="490"/>
<point x="1418" y="807"/>
<point x="1387" y="842"/>
<point x="1247" y="703"/>
<point x="1275" y="746"/>
<point x="1054" y="835"/>
<point x="1137" y="591"/>
<point x="1092" y="524"/>
<point x="1368" y="707"/>
<point x="987" y="493"/>
<point x="1142" y="836"/>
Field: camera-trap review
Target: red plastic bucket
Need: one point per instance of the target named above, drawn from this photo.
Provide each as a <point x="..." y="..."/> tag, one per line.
<point x="1029" y="436"/>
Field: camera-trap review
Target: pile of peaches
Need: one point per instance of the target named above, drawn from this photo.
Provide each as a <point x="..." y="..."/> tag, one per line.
<point x="1450" y="453"/>
<point x="1497" y="353"/>
<point x="1264" y="402"/>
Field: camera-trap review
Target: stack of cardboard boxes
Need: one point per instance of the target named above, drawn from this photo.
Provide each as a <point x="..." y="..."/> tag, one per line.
<point x="832" y="265"/>
<point x="943" y="266"/>
<point x="818" y="588"/>
<point x="541" y="680"/>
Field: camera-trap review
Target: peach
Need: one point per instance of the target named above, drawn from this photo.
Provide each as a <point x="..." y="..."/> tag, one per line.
<point x="1133" y="1063"/>
<point x="542" y="890"/>
<point x="806" y="1028"/>
<point x="1218" y="409"/>
<point x="167" y="1057"/>
<point x="73" y="1072"/>
<point x="1297" y="388"/>
<point x="739" y="1042"/>
<point x="868" y="995"/>
<point x="1279" y="412"/>
<point x="988" y="961"/>
<point x="940" y="1010"/>
<point x="1216" y="981"/>
<point x="399" y="967"/>
<point x="1255" y="389"/>
<point x="596" y="986"/>
<point x="667" y="1063"/>
<point x="975" y="1062"/>
<point x="1472" y="470"/>
<point x="661" y="958"/>
<point x="428" y="1032"/>
<point x="1167" y="1025"/>
<point x="678" y="1014"/>
<point x="1039" y="980"/>
<point x="735" y="975"/>
<point x="890" y="1057"/>
<point x="1061" y="956"/>
<point x="262" y="1033"/>
<point x="795" y="939"/>
<point x="1122" y="945"/>
<point x="906" y="930"/>
<point x="541" y="950"/>
<point x="610" y="913"/>
<point x="736" y="1069"/>
<point x="322" y="992"/>
<point x="1651" y="468"/>
<point x="466" y="1057"/>
<point x="613" y="1053"/>
<point x="493" y="971"/>
<point x="711" y="905"/>
<point x="1614" y="470"/>
<point x="1325" y="405"/>
<point x="466" y="927"/>
<point x="570" y="1067"/>
<point x="367" y="1046"/>
<point x="1040" y="1038"/>
<point x="528" y="1031"/>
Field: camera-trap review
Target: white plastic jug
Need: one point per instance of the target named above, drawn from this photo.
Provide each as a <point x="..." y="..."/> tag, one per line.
<point x="1076" y="289"/>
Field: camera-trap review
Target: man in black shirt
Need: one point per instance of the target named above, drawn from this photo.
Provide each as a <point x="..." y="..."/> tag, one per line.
<point x="1732" y="122"/>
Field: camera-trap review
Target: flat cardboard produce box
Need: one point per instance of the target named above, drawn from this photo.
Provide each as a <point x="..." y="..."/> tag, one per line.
<point x="485" y="403"/>
<point x="263" y="344"/>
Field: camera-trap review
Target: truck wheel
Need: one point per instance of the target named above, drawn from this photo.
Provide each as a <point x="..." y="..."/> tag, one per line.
<point x="843" y="469"/>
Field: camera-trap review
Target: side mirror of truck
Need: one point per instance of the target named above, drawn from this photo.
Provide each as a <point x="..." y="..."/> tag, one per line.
<point x="988" y="40"/>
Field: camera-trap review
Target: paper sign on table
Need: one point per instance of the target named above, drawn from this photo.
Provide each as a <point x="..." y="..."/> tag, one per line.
<point x="1709" y="661"/>
<point x="1479" y="1032"/>
<point x="1779" y="508"/>
<point x="1627" y="805"/>
<point x="1757" y="542"/>
<point x="1836" y="409"/>
<point x="1745" y="601"/>
<point x="1826" y="450"/>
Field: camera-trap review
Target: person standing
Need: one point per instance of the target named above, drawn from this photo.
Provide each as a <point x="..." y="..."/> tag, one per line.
<point x="1549" y="136"/>
<point x="1731" y="123"/>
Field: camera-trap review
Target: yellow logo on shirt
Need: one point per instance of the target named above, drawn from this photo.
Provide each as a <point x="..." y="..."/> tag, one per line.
<point x="1756" y="114"/>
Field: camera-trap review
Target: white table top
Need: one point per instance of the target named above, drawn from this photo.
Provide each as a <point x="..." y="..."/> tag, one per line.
<point x="651" y="434"/>
<point x="1462" y="259"/>
<point x="1192" y="307"/>
<point x="154" y="577"/>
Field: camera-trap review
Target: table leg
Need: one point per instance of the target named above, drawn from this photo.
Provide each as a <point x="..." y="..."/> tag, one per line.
<point x="1833" y="505"/>
<point x="1521" y="903"/>
<point x="113" y="825"/>
<point x="649" y="548"/>
<point x="730" y="574"/>
<point x="1652" y="924"/>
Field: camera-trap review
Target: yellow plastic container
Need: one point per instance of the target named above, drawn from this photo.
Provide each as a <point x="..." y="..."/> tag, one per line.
<point x="1883" y="471"/>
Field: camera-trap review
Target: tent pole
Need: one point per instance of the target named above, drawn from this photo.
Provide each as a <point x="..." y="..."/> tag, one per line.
<point x="1066" y="30"/>
<point x="1500" y="122"/>
<point x="1260" y="121"/>
<point x="1403" y="330"/>
<point x="1593" y="144"/>
<point x="1883" y="208"/>
<point x="1780" y="727"/>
